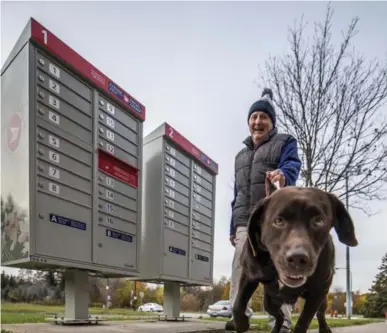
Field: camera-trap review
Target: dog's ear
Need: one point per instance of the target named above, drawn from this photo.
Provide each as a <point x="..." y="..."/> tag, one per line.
<point x="342" y="222"/>
<point x="254" y="225"/>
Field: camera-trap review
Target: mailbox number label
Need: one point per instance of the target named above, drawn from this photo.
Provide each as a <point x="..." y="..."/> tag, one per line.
<point x="53" y="117"/>
<point x="171" y="161"/>
<point x="171" y="182"/>
<point x="110" y="122"/>
<point x="172" y="151"/>
<point x="54" y="188"/>
<point x="170" y="203"/>
<point x="171" y="193"/>
<point x="109" y="208"/>
<point x="110" y="108"/>
<point x="109" y="195"/>
<point x="53" y="156"/>
<point x="110" y="148"/>
<point x="109" y="220"/>
<point x="171" y="172"/>
<point x="53" y="172"/>
<point x="198" y="197"/>
<point x="54" y="141"/>
<point x="54" y="70"/>
<point x="54" y="86"/>
<point x="109" y="181"/>
<point x="110" y="135"/>
<point x="170" y="213"/>
<point x="53" y="102"/>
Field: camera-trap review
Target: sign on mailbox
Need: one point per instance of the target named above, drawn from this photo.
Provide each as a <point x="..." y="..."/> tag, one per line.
<point x="71" y="161"/>
<point x="178" y="210"/>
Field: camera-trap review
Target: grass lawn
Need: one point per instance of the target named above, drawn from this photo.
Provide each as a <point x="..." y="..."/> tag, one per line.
<point x="18" y="313"/>
<point x="260" y="325"/>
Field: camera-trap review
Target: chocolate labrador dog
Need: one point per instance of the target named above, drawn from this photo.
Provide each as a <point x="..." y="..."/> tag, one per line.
<point x="290" y="251"/>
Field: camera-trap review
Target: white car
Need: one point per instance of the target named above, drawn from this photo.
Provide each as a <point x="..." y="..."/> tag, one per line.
<point x="151" y="307"/>
<point x="223" y="309"/>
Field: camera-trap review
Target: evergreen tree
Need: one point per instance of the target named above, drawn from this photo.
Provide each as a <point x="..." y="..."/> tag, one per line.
<point x="376" y="302"/>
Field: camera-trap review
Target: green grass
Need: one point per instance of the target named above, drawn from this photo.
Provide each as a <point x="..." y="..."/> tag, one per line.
<point x="261" y="325"/>
<point x="18" y="313"/>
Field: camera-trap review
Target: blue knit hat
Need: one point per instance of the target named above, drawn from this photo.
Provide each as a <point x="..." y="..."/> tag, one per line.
<point x="264" y="104"/>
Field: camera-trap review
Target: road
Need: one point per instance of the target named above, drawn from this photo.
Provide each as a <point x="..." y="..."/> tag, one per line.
<point x="160" y="326"/>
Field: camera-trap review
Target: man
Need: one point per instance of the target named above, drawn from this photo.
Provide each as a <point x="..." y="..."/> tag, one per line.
<point x="266" y="154"/>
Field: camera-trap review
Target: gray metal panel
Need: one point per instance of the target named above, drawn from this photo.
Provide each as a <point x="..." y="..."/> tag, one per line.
<point x="176" y="226"/>
<point x="54" y="188"/>
<point x="202" y="191"/>
<point x="176" y="186"/>
<point x="117" y="140"/>
<point x="53" y="239"/>
<point x="113" y="196"/>
<point x="124" y="117"/>
<point x="117" y="152"/>
<point x="172" y="194"/>
<point x="176" y="175"/>
<point x="201" y="245"/>
<point x="108" y="121"/>
<point x="202" y="172"/>
<point x="202" y="263"/>
<point x="68" y="123"/>
<point x="202" y="200"/>
<point x="152" y="253"/>
<point x="174" y="163"/>
<point x="117" y="185"/>
<point x="196" y="216"/>
<point x="173" y="204"/>
<point x="64" y="177"/>
<point x="201" y="209"/>
<point x="201" y="227"/>
<point x="174" y="152"/>
<point x="173" y="215"/>
<point x="55" y="87"/>
<point x="117" y="223"/>
<point x="65" y="109"/>
<point x="55" y="102"/>
<point x="115" y="248"/>
<point x="15" y="178"/>
<point x="202" y="236"/>
<point x="107" y="207"/>
<point x="65" y="162"/>
<point x="64" y="77"/>
<point x="175" y="260"/>
<point x="202" y="182"/>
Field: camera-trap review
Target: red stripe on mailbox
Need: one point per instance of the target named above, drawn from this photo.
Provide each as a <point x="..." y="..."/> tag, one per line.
<point x="117" y="168"/>
<point x="49" y="41"/>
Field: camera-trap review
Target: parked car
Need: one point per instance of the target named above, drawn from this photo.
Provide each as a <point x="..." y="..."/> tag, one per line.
<point x="151" y="307"/>
<point x="223" y="309"/>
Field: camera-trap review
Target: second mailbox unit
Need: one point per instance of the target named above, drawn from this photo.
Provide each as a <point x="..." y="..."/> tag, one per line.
<point x="178" y="210"/>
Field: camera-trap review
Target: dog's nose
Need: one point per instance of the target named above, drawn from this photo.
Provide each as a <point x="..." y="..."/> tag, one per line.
<point x="298" y="257"/>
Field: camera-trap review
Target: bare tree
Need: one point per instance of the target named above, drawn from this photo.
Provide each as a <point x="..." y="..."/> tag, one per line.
<point x="330" y="98"/>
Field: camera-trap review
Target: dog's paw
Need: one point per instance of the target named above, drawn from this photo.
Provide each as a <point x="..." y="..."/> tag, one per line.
<point x="241" y="322"/>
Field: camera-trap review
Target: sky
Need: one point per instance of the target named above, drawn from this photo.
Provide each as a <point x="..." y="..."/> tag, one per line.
<point x="195" y="66"/>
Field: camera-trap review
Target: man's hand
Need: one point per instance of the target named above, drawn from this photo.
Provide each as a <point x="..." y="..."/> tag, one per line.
<point x="276" y="176"/>
<point x="232" y="240"/>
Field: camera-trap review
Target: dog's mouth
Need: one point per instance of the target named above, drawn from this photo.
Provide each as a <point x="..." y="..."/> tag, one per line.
<point x="293" y="281"/>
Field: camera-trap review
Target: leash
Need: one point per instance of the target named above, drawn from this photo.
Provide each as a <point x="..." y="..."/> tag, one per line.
<point x="267" y="193"/>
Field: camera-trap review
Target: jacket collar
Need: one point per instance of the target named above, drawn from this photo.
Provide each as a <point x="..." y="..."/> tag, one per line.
<point x="249" y="140"/>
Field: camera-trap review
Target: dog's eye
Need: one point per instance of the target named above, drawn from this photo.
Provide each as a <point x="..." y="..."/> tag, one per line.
<point x="279" y="222"/>
<point x="318" y="222"/>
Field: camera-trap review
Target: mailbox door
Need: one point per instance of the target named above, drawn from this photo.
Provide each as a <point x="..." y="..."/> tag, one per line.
<point x="175" y="261"/>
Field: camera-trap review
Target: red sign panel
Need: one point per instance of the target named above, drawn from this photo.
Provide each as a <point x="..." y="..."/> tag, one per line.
<point x="48" y="40"/>
<point x="117" y="168"/>
<point x="180" y="140"/>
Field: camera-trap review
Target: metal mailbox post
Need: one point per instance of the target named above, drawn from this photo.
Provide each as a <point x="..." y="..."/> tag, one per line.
<point x="71" y="166"/>
<point x="178" y="214"/>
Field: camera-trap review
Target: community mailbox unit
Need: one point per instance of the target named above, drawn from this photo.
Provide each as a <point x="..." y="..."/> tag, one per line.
<point x="178" y="210"/>
<point x="71" y="162"/>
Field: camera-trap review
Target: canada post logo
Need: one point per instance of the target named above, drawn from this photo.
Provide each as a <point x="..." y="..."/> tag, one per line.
<point x="123" y="97"/>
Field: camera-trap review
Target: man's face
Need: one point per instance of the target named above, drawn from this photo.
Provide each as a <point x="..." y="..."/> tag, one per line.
<point x="259" y="125"/>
